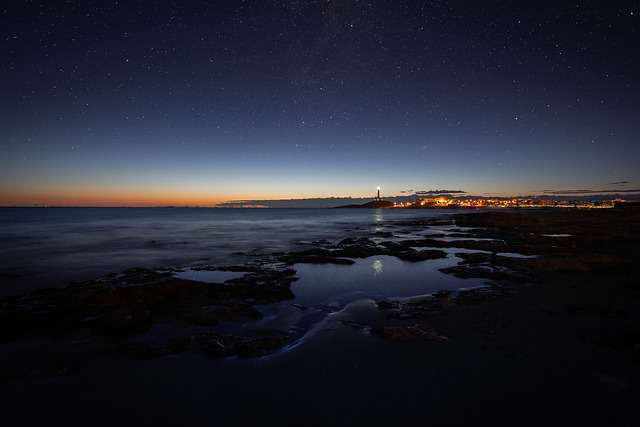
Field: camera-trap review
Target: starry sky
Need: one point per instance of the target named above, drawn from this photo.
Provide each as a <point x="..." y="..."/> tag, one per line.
<point x="196" y="102"/>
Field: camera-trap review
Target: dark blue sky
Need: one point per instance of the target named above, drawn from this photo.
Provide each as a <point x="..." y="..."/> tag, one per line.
<point x="137" y="102"/>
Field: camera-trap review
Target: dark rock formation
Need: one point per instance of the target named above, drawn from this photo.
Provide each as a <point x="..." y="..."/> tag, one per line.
<point x="413" y="255"/>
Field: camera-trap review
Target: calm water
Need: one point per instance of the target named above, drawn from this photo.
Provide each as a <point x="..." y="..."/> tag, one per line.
<point x="52" y="246"/>
<point x="376" y="277"/>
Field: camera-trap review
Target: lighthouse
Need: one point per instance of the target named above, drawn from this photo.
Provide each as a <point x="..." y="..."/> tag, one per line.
<point x="378" y="198"/>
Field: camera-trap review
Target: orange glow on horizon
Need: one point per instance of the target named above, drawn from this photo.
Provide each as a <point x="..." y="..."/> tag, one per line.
<point x="113" y="198"/>
<point x="133" y="198"/>
<point x="141" y="195"/>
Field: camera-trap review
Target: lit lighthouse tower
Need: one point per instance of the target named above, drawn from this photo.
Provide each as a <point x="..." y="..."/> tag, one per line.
<point x="378" y="198"/>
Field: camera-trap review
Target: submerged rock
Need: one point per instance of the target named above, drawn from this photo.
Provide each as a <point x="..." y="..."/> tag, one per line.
<point x="413" y="255"/>
<point x="383" y="234"/>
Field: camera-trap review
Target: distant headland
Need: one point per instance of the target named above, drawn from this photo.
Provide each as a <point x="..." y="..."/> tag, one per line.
<point x="376" y="204"/>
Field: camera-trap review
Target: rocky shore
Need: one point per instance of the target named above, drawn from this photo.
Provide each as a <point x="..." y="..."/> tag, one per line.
<point x="571" y="265"/>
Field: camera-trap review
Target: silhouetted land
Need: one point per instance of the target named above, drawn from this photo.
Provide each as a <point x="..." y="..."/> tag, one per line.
<point x="376" y="204"/>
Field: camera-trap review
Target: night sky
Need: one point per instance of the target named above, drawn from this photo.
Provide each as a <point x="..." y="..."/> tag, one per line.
<point x="134" y="103"/>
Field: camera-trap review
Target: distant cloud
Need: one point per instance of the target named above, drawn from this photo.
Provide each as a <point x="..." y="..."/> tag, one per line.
<point x="406" y="191"/>
<point x="619" y="183"/>
<point x="615" y="190"/>
<point x="434" y="192"/>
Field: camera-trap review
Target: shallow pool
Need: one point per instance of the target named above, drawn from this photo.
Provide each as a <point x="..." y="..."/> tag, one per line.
<point x="375" y="277"/>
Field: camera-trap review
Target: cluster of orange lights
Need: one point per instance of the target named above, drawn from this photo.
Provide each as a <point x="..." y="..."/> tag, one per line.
<point x="448" y="202"/>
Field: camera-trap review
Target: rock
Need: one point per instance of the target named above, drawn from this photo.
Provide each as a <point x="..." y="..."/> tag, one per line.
<point x="408" y="333"/>
<point x="360" y="250"/>
<point x="124" y="321"/>
<point x="383" y="234"/>
<point x="258" y="346"/>
<point x="459" y="235"/>
<point x="315" y="259"/>
<point x="212" y="314"/>
<point x="217" y="345"/>
<point x="395" y="333"/>
<point x="393" y="246"/>
<point x="213" y="345"/>
<point x="475" y="257"/>
<point x="442" y="294"/>
<point x="144" y="350"/>
<point x="348" y="241"/>
<point x="128" y="303"/>
<point x="179" y="344"/>
<point x="415" y="256"/>
<point x="487" y="272"/>
<point x="561" y="264"/>
<point x="387" y="305"/>
<point x="418" y="308"/>
<point x="480" y="295"/>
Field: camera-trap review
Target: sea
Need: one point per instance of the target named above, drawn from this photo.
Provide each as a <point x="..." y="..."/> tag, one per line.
<point x="335" y="372"/>
<point x="51" y="247"/>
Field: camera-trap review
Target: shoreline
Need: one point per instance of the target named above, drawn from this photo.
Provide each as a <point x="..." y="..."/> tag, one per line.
<point x="573" y="300"/>
<point x="267" y="278"/>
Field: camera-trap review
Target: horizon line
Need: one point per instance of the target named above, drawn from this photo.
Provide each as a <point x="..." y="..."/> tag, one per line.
<point x="220" y="205"/>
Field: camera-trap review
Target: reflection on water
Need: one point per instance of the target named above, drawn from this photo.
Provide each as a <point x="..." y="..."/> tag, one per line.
<point x="516" y="255"/>
<point x="209" y="276"/>
<point x="378" y="215"/>
<point x="378" y="218"/>
<point x="377" y="267"/>
<point x="375" y="277"/>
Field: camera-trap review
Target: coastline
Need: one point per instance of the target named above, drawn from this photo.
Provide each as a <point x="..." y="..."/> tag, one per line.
<point x="568" y="314"/>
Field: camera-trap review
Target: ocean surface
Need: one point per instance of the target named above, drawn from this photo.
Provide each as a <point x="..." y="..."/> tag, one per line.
<point x="42" y="247"/>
